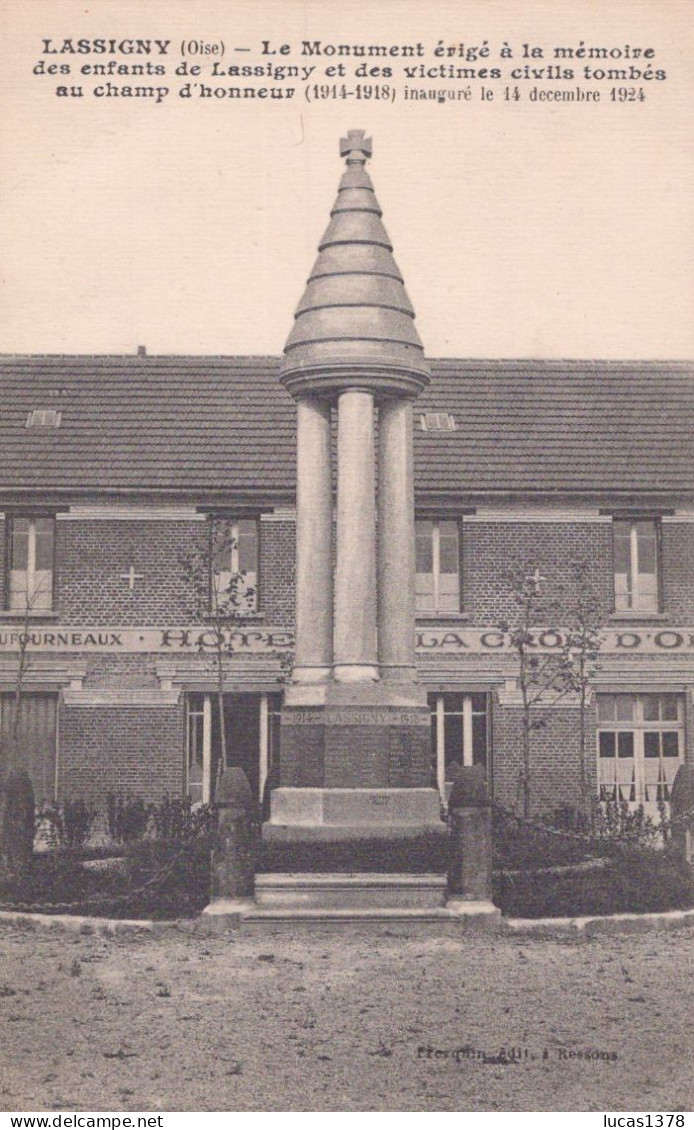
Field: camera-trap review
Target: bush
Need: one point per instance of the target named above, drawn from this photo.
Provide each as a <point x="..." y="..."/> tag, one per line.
<point x="48" y="826"/>
<point x="128" y="818"/>
<point x="17" y="818"/>
<point x="182" y="872"/>
<point x="68" y="825"/>
<point x="178" y="818"/>
<point x="56" y="878"/>
<point x="616" y="823"/>
<point x="634" y="880"/>
<point x="78" y="821"/>
<point x="522" y="847"/>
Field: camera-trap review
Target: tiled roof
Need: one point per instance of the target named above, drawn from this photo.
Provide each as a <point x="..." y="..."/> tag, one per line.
<point x="153" y="422"/>
<point x="185" y="424"/>
<point x="560" y="425"/>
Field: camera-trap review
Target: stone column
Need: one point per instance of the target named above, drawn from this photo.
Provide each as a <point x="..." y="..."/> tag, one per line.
<point x="355" y="574"/>
<point x="396" y="542"/>
<point x="314" y="515"/>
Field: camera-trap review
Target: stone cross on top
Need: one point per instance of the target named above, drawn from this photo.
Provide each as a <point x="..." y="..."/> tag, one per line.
<point x="355" y="147"/>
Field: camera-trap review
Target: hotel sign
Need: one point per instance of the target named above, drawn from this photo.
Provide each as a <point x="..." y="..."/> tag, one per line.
<point x="162" y="641"/>
<point x="435" y="641"/>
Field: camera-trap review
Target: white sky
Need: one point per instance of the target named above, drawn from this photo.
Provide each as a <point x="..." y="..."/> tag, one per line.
<point x="521" y="230"/>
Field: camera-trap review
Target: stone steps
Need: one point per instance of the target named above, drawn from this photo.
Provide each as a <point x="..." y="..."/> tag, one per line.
<point x="349" y="890"/>
<point x="340" y="899"/>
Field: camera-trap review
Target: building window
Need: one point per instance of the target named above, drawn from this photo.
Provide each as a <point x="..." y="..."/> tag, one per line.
<point x="198" y="747"/>
<point x="635" y="565"/>
<point x="235" y="565"/>
<point x="459" y="733"/>
<point x="640" y="746"/>
<point x="437" y="422"/>
<point x="31" y="561"/>
<point x="437" y="557"/>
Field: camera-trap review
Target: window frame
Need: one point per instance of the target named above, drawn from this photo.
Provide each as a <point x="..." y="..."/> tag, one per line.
<point x="439" y="713"/>
<point x="638" y="726"/>
<point x="436" y="520"/>
<point x="633" y="519"/>
<point x="32" y="517"/>
<point x="231" y="522"/>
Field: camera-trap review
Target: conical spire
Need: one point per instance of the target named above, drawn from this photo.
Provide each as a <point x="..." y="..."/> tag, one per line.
<point x="355" y="323"/>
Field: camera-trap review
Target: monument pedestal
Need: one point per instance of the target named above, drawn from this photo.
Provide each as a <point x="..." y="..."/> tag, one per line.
<point x="356" y="762"/>
<point x="355" y="727"/>
<point x="347" y="814"/>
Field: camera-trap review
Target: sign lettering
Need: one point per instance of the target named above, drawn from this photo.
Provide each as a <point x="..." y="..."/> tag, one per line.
<point x="202" y="640"/>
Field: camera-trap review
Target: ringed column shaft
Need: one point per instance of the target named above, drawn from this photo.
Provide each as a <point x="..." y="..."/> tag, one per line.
<point x="396" y="542"/>
<point x="355" y="575"/>
<point x="314" y="518"/>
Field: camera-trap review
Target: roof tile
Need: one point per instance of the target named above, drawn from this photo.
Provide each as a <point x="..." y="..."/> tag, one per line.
<point x="225" y="423"/>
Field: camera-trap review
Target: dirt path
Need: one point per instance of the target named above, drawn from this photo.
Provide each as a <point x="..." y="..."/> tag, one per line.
<point x="349" y="1022"/>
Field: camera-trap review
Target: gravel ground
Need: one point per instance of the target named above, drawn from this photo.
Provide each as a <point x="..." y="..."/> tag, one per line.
<point x="352" y="1021"/>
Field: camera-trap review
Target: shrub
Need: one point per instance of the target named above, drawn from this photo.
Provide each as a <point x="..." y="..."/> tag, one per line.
<point x="56" y="878"/>
<point x="616" y="824"/>
<point x="633" y="880"/>
<point x="567" y="818"/>
<point x="48" y="826"/>
<point x="68" y="825"/>
<point x="78" y="820"/>
<point x="181" y="870"/>
<point x="17" y="821"/>
<point x="178" y="818"/>
<point x="162" y="879"/>
<point x="519" y="846"/>
<point x="128" y="818"/>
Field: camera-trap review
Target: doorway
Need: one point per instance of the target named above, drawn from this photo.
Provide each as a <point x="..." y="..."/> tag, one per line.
<point x="251" y="726"/>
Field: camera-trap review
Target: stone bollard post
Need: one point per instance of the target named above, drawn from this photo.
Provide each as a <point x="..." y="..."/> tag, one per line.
<point x="16" y="823"/>
<point x="470" y="838"/>
<point x="234" y="853"/>
<point x="681" y="803"/>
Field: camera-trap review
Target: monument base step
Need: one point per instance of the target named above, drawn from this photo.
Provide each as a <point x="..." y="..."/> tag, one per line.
<point x="342" y="890"/>
<point x="341" y="899"/>
<point x="222" y="916"/>
<point x="331" y="833"/>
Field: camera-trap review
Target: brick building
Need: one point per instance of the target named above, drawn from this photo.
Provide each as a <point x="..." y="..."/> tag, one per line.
<point x="371" y="534"/>
<point x="111" y="467"/>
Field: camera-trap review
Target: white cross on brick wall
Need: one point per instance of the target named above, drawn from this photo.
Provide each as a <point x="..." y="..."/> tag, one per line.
<point x="131" y="576"/>
<point x="536" y="579"/>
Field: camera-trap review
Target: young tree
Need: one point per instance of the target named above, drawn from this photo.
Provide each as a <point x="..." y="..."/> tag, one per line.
<point x="583" y="641"/>
<point x="544" y="677"/>
<point x="16" y="789"/>
<point x="34" y="600"/>
<point x="222" y="597"/>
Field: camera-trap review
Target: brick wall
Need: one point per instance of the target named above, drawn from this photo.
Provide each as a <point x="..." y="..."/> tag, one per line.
<point x="93" y="556"/>
<point x="125" y="749"/>
<point x="141" y="749"/>
<point x="689" y="725"/>
<point x="3" y="560"/>
<point x="554" y="759"/>
<point x="129" y="670"/>
<point x="678" y="570"/>
<point x="277" y="572"/>
<point x="491" y="549"/>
